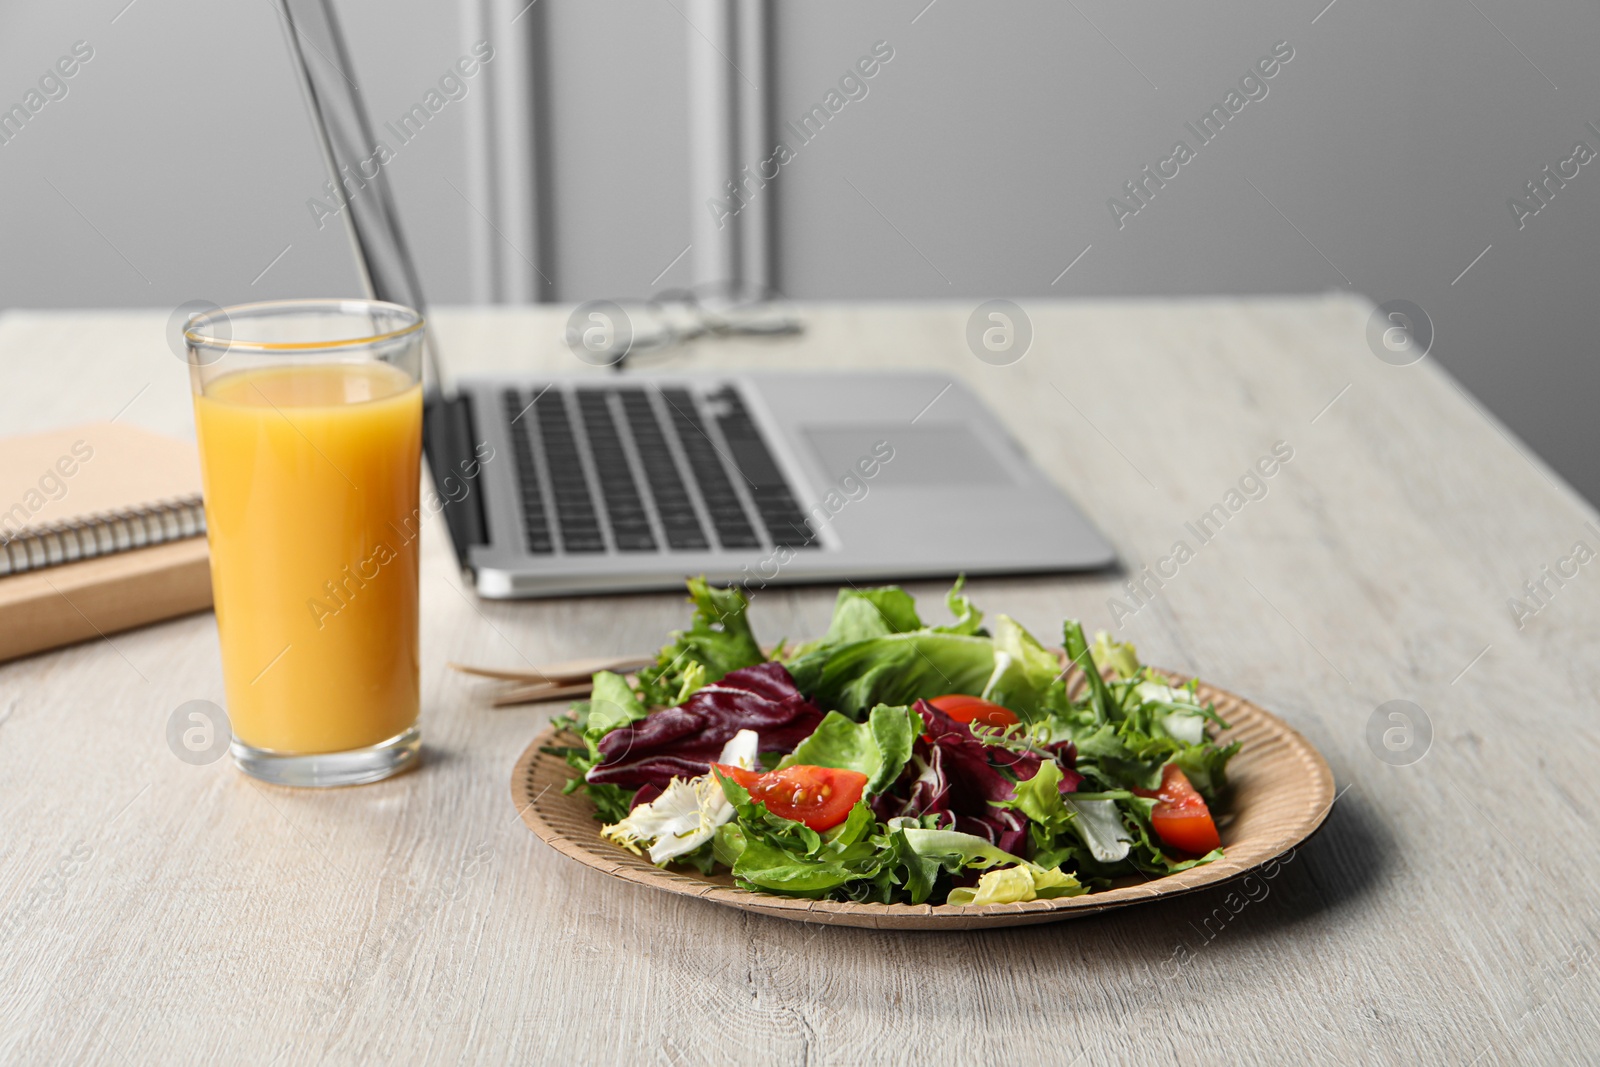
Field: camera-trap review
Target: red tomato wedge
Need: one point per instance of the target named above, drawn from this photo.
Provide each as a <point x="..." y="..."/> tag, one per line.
<point x="820" y="797"/>
<point x="963" y="708"/>
<point x="1181" y="817"/>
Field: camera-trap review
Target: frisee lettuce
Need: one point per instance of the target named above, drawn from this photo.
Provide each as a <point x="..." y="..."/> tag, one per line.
<point x="687" y="813"/>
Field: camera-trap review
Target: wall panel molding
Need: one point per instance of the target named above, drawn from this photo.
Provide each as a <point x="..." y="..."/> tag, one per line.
<point x="729" y="101"/>
<point x="507" y="151"/>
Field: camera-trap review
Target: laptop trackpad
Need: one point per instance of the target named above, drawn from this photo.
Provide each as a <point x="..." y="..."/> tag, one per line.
<point x="910" y="456"/>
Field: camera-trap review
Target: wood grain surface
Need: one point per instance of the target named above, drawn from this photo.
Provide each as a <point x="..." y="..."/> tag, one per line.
<point x="152" y="911"/>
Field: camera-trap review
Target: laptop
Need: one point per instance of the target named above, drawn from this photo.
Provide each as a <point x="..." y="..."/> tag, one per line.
<point x="630" y="482"/>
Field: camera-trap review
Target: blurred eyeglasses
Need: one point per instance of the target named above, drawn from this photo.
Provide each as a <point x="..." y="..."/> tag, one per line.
<point x="615" y="333"/>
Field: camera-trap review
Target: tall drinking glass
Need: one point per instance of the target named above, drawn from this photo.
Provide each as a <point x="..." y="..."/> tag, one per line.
<point x="309" y="418"/>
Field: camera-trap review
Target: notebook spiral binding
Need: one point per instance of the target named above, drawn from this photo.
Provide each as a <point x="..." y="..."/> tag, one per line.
<point x="102" y="535"/>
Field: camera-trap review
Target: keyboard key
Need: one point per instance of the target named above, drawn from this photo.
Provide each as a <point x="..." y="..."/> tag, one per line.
<point x="576" y="522"/>
<point x="535" y="524"/>
<point x="645" y="497"/>
<point x="679" y="522"/>
<point x="780" y="512"/>
<point x="732" y="527"/>
<point x="630" y="525"/>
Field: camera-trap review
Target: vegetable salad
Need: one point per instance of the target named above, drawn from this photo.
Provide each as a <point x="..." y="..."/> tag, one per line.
<point x="895" y="761"/>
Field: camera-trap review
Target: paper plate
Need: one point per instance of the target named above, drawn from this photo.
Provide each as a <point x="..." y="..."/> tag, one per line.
<point x="1281" y="791"/>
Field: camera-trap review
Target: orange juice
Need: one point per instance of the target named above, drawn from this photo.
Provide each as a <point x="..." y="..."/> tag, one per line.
<point x="311" y="477"/>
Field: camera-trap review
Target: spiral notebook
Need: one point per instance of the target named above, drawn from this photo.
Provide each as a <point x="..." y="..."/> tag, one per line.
<point x="101" y="529"/>
<point x="94" y="490"/>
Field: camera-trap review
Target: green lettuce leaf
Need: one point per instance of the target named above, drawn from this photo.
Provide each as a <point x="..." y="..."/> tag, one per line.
<point x="728" y="844"/>
<point x="1099" y="701"/>
<point x="878" y="651"/>
<point x="1039" y="798"/>
<point x="859" y="614"/>
<point x="777" y="854"/>
<point x="1127" y="729"/>
<point x="969" y="620"/>
<point x="718" y="640"/>
<point x="896" y="669"/>
<point x="1120" y="656"/>
<point x="1026" y="675"/>
<point x="765" y="866"/>
<point x="611" y="704"/>
<point x="1094" y="820"/>
<point x="1007" y="885"/>
<point x="1147" y="854"/>
<point x="877" y="748"/>
<point x="1098" y="822"/>
<point x="914" y="873"/>
<point x="1101" y="743"/>
<point x="1206" y="767"/>
<point x="611" y="802"/>
<point x="954" y="850"/>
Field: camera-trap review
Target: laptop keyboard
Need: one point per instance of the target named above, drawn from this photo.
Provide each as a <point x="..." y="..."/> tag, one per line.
<point x="576" y="521"/>
<point x="670" y="468"/>
<point x="780" y="513"/>
<point x="679" y="522"/>
<point x="535" y="523"/>
<point x="705" y="464"/>
<point x="630" y="524"/>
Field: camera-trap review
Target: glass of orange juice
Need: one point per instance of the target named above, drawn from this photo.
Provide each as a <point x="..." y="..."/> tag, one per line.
<point x="309" y="419"/>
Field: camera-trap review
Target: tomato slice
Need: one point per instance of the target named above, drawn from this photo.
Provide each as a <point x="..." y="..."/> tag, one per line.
<point x="963" y="708"/>
<point x="1180" y="817"/>
<point x="820" y="797"/>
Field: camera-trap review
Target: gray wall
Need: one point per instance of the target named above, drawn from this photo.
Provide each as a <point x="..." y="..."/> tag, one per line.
<point x="978" y="164"/>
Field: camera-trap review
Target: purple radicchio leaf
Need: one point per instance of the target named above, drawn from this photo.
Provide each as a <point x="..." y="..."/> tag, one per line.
<point x="681" y="742"/>
<point x="956" y="777"/>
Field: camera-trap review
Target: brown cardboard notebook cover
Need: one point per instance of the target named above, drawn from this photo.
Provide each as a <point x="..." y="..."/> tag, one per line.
<point x="83" y="477"/>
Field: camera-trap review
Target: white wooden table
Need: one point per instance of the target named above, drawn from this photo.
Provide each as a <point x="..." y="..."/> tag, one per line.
<point x="152" y="911"/>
